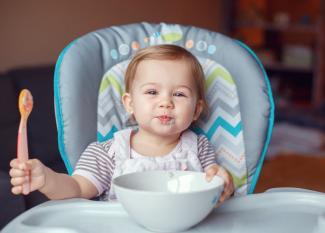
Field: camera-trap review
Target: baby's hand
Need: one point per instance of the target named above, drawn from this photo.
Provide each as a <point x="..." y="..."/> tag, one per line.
<point x="32" y="171"/>
<point x="216" y="170"/>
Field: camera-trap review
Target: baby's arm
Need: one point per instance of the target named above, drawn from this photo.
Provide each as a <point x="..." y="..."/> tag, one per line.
<point x="52" y="184"/>
<point x="63" y="186"/>
<point x="207" y="157"/>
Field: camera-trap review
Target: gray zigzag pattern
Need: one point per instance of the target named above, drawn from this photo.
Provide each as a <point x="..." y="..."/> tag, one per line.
<point x="220" y="87"/>
<point x="220" y="103"/>
<point x="239" y="172"/>
<point x="103" y="120"/>
<point x="108" y="96"/>
<point x="222" y="140"/>
<point x="116" y="108"/>
<point x="233" y="111"/>
<point x="117" y="103"/>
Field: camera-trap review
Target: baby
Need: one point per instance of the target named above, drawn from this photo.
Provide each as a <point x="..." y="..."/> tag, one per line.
<point x="165" y="94"/>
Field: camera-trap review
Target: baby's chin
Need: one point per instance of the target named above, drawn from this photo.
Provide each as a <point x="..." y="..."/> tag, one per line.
<point x="167" y="131"/>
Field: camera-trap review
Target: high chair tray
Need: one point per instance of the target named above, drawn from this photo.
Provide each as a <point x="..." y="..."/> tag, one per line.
<point x="266" y="212"/>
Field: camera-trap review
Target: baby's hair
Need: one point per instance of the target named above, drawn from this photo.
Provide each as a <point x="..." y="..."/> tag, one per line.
<point x="168" y="52"/>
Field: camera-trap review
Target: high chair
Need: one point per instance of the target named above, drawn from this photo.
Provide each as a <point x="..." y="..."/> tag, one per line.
<point x="88" y="85"/>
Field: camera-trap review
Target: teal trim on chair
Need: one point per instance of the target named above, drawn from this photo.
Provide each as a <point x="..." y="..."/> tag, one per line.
<point x="108" y="136"/>
<point x="271" y="119"/>
<point x="58" y="110"/>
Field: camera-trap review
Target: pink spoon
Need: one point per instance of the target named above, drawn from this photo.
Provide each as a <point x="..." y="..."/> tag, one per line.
<point x="25" y="104"/>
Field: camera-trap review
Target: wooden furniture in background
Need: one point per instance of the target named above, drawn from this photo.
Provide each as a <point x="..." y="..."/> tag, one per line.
<point x="288" y="37"/>
<point x="319" y="84"/>
<point x="290" y="170"/>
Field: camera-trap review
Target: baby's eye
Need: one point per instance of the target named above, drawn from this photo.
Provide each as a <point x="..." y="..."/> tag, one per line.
<point x="151" y="92"/>
<point x="179" y="94"/>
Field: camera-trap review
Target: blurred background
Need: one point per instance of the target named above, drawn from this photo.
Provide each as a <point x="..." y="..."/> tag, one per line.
<point x="288" y="37"/>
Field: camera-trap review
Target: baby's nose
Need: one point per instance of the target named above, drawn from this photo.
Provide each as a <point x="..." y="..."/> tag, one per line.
<point x="166" y="103"/>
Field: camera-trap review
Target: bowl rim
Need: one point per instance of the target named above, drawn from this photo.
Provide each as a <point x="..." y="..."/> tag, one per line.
<point x="167" y="193"/>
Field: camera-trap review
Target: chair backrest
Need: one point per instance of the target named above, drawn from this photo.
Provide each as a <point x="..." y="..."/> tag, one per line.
<point x="88" y="85"/>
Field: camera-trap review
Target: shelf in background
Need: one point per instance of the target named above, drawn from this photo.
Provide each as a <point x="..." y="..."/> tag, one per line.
<point x="303" y="115"/>
<point x="299" y="28"/>
<point x="279" y="67"/>
<point x="289" y="39"/>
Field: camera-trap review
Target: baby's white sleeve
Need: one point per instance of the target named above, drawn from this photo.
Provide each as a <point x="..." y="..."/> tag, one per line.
<point x="96" y="165"/>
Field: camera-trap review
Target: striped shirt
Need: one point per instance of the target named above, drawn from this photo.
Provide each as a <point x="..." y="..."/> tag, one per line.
<point x="97" y="165"/>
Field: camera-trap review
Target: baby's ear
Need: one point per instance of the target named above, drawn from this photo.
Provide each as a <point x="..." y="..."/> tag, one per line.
<point x="198" y="110"/>
<point x="127" y="102"/>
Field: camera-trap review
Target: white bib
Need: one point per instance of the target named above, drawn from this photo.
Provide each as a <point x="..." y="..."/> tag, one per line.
<point x="183" y="157"/>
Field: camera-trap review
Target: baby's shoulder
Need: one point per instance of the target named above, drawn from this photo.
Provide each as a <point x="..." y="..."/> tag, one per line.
<point x="202" y="138"/>
<point x="103" y="147"/>
<point x="189" y="134"/>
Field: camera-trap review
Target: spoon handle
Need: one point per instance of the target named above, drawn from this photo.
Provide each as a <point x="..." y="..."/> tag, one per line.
<point x="22" y="150"/>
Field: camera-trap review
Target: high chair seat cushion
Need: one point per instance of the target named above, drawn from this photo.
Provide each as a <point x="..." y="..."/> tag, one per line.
<point x="83" y="64"/>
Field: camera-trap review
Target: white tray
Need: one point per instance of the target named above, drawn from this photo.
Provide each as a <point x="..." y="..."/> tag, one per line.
<point x="296" y="212"/>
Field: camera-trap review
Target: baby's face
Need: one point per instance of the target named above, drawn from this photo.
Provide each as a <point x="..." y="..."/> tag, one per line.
<point x="164" y="96"/>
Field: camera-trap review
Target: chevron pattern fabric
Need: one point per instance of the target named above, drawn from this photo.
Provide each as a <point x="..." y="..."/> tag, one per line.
<point x="223" y="126"/>
<point x="111" y="115"/>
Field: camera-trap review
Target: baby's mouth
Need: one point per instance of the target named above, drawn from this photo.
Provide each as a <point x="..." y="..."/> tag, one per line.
<point x="164" y="119"/>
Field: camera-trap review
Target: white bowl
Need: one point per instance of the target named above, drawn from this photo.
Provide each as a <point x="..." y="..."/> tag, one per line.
<point x="168" y="201"/>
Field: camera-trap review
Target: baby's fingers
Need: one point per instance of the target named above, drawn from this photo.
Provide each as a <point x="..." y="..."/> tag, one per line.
<point x="231" y="186"/>
<point x="228" y="186"/>
<point x="226" y="193"/>
<point x="17" y="172"/>
<point x="15" y="164"/>
<point x="18" y="180"/>
<point x="209" y="175"/>
<point x="17" y="190"/>
<point x="211" y="172"/>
